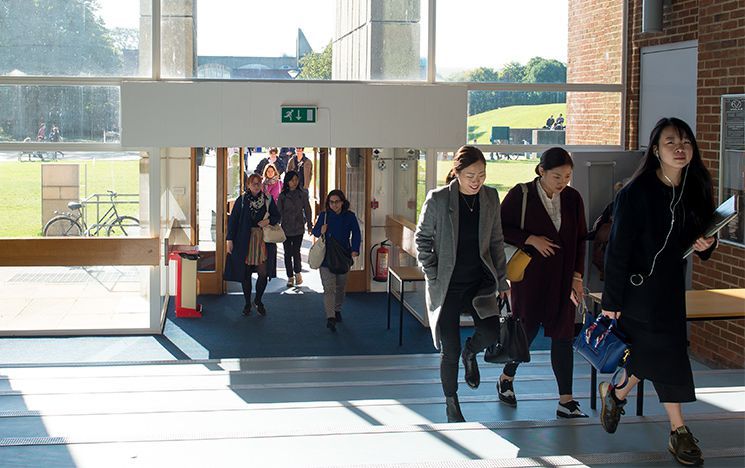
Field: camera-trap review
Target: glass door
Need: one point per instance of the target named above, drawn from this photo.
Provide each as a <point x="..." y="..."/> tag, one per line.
<point x="353" y="178"/>
<point x="217" y="181"/>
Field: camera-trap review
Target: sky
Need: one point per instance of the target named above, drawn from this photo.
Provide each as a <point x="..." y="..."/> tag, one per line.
<point x="470" y="33"/>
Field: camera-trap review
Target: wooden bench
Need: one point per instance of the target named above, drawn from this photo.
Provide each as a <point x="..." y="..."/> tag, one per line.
<point x="706" y="304"/>
<point x="400" y="232"/>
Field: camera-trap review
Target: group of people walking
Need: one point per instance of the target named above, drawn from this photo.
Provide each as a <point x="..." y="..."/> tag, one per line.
<point x="269" y="201"/>
<point x="662" y="210"/>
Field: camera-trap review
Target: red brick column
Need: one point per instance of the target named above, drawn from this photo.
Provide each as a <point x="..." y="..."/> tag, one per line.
<point x="594" y="56"/>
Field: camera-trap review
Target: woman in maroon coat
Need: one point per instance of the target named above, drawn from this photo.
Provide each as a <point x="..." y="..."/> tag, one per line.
<point x="554" y="235"/>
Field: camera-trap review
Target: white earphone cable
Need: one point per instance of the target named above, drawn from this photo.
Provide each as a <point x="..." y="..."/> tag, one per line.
<point x="637" y="279"/>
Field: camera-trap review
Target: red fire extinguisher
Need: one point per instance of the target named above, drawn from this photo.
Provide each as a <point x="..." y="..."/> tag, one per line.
<point x="380" y="265"/>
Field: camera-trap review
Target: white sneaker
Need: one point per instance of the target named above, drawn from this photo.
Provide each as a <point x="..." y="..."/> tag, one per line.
<point x="298" y="279"/>
<point x="290" y="281"/>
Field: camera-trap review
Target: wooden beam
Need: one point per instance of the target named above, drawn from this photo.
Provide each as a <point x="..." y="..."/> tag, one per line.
<point x="79" y="251"/>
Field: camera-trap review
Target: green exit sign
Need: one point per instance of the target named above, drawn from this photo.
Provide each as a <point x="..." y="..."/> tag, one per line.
<point x="295" y="114"/>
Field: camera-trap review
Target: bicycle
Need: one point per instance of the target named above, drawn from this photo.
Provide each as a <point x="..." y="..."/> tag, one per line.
<point x="43" y="156"/>
<point x="68" y="224"/>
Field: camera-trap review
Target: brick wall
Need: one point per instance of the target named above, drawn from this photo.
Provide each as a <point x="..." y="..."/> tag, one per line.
<point x="594" y="56"/>
<point x="719" y="27"/>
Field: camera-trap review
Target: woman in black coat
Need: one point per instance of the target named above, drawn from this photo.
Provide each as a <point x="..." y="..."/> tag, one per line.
<point x="245" y="241"/>
<point x="657" y="216"/>
<point x="553" y="234"/>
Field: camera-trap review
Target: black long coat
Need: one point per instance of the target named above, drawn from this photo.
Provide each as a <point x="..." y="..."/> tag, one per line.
<point x="653" y="315"/>
<point x="240" y="222"/>
<point x="543" y="296"/>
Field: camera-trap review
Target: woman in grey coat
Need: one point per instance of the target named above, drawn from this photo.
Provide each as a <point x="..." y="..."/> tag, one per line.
<point x="460" y="249"/>
<point x="294" y="207"/>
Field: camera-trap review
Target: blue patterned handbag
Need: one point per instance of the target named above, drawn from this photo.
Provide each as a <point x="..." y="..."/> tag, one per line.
<point x="601" y="344"/>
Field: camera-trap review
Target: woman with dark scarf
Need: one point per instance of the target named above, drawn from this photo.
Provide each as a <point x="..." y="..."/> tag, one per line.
<point x="245" y="241"/>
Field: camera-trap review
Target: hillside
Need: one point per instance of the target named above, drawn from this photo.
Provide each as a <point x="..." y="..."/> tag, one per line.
<point x="514" y="117"/>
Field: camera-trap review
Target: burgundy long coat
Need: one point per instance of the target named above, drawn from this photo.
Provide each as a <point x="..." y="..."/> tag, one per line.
<point x="543" y="296"/>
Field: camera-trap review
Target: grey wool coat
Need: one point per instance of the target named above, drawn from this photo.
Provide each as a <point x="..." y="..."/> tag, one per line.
<point x="437" y="243"/>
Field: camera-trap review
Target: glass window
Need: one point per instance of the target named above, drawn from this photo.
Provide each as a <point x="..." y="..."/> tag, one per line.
<point x="74" y="38"/>
<point x="406" y="180"/>
<point x="502" y="174"/>
<point x="73" y="193"/>
<point x="421" y="182"/>
<point x="74" y="298"/>
<point x="59" y="113"/>
<point x="546" y="117"/>
<point x="295" y="39"/>
<point x="529" y="41"/>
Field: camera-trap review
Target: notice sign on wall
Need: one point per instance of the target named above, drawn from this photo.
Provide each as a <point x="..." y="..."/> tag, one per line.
<point x="732" y="165"/>
<point x="299" y="114"/>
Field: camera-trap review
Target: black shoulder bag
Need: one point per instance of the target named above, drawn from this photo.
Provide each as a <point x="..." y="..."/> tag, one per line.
<point x="513" y="342"/>
<point x="338" y="260"/>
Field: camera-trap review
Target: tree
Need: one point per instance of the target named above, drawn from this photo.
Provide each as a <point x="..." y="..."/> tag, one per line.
<point x="479" y="101"/>
<point x="540" y="70"/>
<point x="125" y="38"/>
<point x="55" y="37"/>
<point x="59" y="38"/>
<point x="316" y="65"/>
<point x="513" y="72"/>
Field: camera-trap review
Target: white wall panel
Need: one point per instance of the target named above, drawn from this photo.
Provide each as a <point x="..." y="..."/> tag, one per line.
<point x="248" y="113"/>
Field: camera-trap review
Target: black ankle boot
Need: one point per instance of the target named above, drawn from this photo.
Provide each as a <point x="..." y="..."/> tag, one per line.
<point x="331" y="324"/>
<point x="473" y="377"/>
<point x="452" y="409"/>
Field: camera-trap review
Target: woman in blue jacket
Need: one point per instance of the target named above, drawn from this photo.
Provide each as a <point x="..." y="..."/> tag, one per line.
<point x="245" y="241"/>
<point x="338" y="224"/>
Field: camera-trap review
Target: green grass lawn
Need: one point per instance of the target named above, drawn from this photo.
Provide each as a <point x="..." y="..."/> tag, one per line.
<point x="20" y="191"/>
<point x="513" y="117"/>
<point x="502" y="175"/>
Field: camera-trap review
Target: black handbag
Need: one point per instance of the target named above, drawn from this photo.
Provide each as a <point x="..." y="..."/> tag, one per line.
<point x="338" y="260"/>
<point x="513" y="341"/>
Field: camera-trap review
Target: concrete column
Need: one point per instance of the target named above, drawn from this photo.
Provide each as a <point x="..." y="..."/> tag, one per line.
<point x="178" y="38"/>
<point x="377" y="40"/>
<point x="60" y="184"/>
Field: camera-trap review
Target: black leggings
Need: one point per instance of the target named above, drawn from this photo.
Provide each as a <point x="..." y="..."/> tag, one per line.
<point x="261" y="282"/>
<point x="562" y="362"/>
<point x="292" y="254"/>
<point x="456" y="300"/>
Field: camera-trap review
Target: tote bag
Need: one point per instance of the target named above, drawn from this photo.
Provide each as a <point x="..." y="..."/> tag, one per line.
<point x="517" y="259"/>
<point x="318" y="250"/>
<point x="273" y="234"/>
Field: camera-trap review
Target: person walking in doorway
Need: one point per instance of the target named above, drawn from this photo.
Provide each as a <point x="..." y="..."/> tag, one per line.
<point x="294" y="207"/>
<point x="274" y="159"/>
<point x="303" y="166"/>
<point x="245" y="242"/>
<point x="657" y="216"/>
<point x="341" y="229"/>
<point x="461" y="251"/>
<point x="553" y="234"/>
